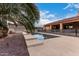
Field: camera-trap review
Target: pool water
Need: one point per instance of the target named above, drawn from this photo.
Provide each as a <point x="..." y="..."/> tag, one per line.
<point x="39" y="37"/>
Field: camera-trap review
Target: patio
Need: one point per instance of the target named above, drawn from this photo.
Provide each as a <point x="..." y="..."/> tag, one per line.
<point x="57" y="46"/>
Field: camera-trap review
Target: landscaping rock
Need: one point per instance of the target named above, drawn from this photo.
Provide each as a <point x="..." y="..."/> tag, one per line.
<point x="13" y="45"/>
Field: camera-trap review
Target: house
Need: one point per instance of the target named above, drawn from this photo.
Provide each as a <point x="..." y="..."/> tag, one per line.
<point x="65" y="25"/>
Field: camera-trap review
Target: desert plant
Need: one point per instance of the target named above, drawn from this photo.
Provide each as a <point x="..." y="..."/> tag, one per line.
<point x="25" y="14"/>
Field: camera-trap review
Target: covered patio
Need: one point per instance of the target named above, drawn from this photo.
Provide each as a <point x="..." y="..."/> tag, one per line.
<point x="70" y="25"/>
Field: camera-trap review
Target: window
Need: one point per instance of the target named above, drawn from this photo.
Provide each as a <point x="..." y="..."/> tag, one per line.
<point x="70" y="27"/>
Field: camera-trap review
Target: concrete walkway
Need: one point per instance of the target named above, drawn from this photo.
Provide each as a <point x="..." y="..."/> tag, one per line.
<point x="58" y="46"/>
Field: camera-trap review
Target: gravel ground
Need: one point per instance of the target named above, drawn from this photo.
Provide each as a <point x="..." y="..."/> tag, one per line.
<point x="13" y="45"/>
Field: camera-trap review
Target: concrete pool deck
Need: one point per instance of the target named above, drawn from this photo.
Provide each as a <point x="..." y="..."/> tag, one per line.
<point x="57" y="46"/>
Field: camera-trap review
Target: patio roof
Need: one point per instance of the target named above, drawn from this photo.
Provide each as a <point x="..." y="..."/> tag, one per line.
<point x="67" y="20"/>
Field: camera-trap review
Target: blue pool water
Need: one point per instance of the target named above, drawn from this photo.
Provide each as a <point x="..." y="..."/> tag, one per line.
<point x="39" y="37"/>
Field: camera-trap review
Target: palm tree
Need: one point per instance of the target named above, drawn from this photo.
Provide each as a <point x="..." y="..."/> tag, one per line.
<point x="25" y="14"/>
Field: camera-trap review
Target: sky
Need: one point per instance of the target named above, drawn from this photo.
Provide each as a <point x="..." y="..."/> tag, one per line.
<point x="50" y="12"/>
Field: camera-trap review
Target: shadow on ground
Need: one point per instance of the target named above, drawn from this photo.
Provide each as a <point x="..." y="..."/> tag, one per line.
<point x="67" y="34"/>
<point x="49" y="36"/>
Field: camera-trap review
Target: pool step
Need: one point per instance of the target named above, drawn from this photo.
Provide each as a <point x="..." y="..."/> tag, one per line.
<point x="31" y="41"/>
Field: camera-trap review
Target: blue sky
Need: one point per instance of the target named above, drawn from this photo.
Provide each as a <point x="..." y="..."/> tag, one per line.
<point x="50" y="12"/>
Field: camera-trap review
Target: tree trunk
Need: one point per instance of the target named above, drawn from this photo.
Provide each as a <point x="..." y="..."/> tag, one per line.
<point x="1" y="34"/>
<point x="5" y="32"/>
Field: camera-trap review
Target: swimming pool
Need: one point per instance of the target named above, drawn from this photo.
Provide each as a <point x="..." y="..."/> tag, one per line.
<point x="42" y="37"/>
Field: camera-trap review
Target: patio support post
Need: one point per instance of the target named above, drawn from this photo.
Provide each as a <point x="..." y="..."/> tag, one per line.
<point x="76" y="29"/>
<point x="50" y="27"/>
<point x="61" y="27"/>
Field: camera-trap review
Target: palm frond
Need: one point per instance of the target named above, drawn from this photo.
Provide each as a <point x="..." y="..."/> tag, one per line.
<point x="25" y="14"/>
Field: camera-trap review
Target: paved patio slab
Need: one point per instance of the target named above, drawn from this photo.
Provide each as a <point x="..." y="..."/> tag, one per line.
<point x="58" y="46"/>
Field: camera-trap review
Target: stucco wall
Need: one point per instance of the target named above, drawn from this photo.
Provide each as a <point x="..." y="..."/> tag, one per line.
<point x="18" y="28"/>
